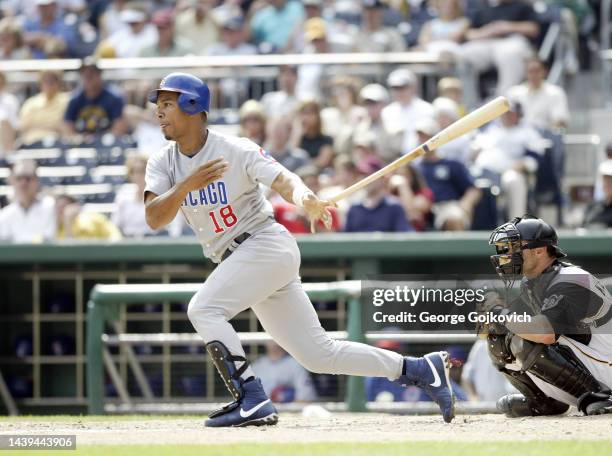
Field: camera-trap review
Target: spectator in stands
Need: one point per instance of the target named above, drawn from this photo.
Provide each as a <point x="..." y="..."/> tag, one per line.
<point x="129" y="212"/>
<point x="138" y="35"/>
<point x="480" y="379"/>
<point x="410" y="187"/>
<point x="253" y="121"/>
<point x="296" y="42"/>
<point x="42" y="115"/>
<point x="452" y="88"/>
<point x="282" y="101"/>
<point x="374" y="97"/>
<point x="508" y="151"/>
<point x="94" y="108"/>
<point x="407" y="109"/>
<point x="374" y="36"/>
<point x="282" y="377"/>
<point x="341" y="118"/>
<point x="12" y="46"/>
<point x="168" y="44"/>
<point x="311" y="74"/>
<point x="233" y="38"/>
<point x="197" y="25"/>
<point x="30" y="217"/>
<point x="446" y="112"/>
<point x="544" y="104"/>
<point x="311" y="137"/>
<point x="9" y="114"/>
<point x="75" y="223"/>
<point x="499" y="37"/>
<point x="48" y="35"/>
<point x="110" y="21"/>
<point x="443" y="33"/>
<point x="278" y="144"/>
<point x="453" y="188"/>
<point x="379" y="210"/>
<point x="599" y="214"/>
<point x="272" y="25"/>
<point x="8" y="136"/>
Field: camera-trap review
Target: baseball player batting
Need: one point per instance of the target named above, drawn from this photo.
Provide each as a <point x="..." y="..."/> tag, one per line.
<point x="214" y="181"/>
<point x="563" y="356"/>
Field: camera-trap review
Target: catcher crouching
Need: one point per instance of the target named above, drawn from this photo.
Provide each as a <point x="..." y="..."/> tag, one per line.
<point x="563" y="355"/>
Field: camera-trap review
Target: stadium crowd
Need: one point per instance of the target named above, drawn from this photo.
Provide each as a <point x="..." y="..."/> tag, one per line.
<point x="332" y="130"/>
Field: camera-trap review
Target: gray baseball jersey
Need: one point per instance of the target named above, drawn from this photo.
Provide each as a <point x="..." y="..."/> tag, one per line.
<point x="223" y="210"/>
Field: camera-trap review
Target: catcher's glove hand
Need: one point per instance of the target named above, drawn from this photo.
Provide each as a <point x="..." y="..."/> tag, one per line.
<point x="495" y="305"/>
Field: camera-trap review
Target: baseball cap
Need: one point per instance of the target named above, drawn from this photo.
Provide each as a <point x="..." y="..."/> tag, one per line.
<point x="45" y="2"/>
<point x="447" y="107"/>
<point x="315" y="29"/>
<point x="428" y="126"/>
<point x="374" y="92"/>
<point x="449" y="83"/>
<point x="365" y="139"/>
<point x="312" y="2"/>
<point x="24" y="167"/>
<point x="132" y="15"/>
<point x="605" y="167"/>
<point x="401" y="77"/>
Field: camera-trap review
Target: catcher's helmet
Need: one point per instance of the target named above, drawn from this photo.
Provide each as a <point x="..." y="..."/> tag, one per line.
<point x="509" y="239"/>
<point x="194" y="95"/>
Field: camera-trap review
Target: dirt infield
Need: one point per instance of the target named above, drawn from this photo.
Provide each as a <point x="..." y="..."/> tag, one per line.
<point x="340" y="427"/>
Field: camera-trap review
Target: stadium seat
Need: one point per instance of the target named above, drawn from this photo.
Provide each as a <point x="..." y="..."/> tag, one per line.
<point x="63" y="175"/>
<point x="108" y="174"/>
<point x="44" y="156"/>
<point x="86" y="156"/>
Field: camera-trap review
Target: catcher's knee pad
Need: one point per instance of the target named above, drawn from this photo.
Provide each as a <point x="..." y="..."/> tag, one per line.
<point x="225" y="363"/>
<point x="498" y="346"/>
<point x="555" y="364"/>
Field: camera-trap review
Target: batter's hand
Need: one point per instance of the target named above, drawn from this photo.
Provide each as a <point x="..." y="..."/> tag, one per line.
<point x="318" y="209"/>
<point x="206" y="174"/>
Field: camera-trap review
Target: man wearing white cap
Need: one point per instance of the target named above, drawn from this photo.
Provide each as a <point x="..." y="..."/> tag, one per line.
<point x="599" y="214"/>
<point x="140" y="34"/>
<point x="446" y="112"/>
<point x="374" y="98"/>
<point x="407" y="109"/>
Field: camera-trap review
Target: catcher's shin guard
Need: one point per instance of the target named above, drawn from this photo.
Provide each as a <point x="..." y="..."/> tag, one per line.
<point x="555" y="364"/>
<point x="225" y="363"/>
<point x="531" y="402"/>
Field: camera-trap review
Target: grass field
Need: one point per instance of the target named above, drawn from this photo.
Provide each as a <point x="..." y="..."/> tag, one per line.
<point x="536" y="448"/>
<point x="341" y="434"/>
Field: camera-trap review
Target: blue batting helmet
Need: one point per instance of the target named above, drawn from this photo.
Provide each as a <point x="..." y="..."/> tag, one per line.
<point x="194" y="93"/>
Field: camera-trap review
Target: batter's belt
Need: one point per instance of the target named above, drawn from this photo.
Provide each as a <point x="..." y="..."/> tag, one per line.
<point x="235" y="244"/>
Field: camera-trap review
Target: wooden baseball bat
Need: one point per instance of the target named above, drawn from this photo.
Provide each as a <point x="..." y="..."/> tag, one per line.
<point x="471" y="121"/>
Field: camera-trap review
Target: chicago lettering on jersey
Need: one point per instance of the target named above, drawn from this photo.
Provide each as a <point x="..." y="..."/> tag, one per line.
<point x="213" y="194"/>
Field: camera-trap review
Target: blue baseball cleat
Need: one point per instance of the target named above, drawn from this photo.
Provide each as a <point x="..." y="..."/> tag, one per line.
<point x="431" y="373"/>
<point x="254" y="408"/>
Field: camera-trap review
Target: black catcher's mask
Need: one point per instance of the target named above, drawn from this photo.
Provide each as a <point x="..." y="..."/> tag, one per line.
<point x="509" y="239"/>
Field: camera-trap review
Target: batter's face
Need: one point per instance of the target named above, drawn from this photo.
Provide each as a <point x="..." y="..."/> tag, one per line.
<point x="174" y="123"/>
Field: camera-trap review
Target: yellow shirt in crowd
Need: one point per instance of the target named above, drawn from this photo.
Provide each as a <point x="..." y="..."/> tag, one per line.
<point x="41" y="117"/>
<point x="91" y="225"/>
